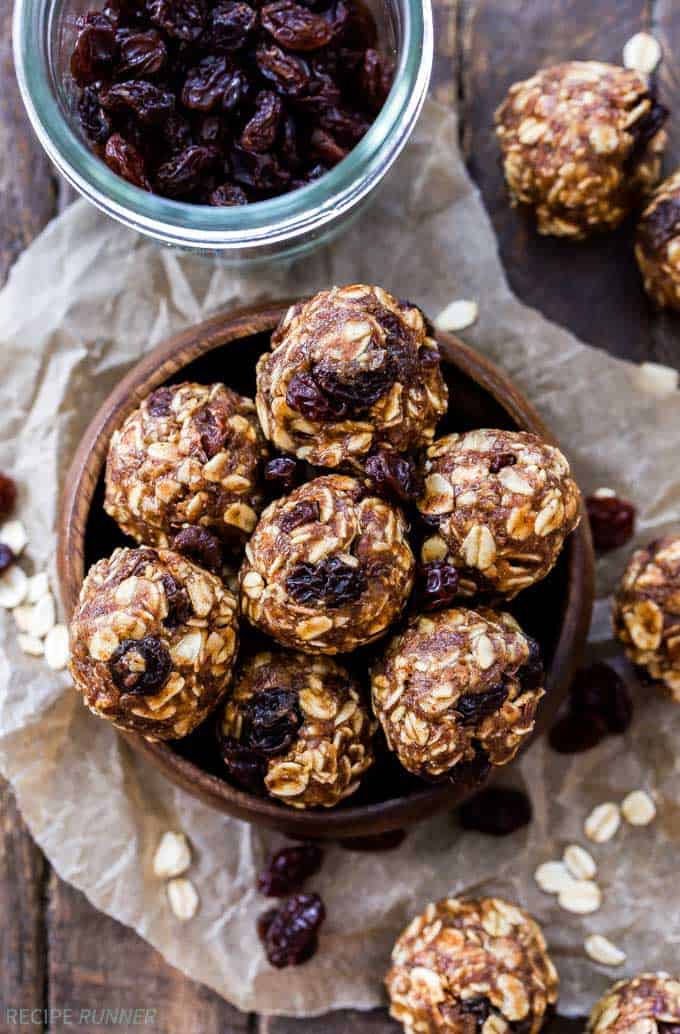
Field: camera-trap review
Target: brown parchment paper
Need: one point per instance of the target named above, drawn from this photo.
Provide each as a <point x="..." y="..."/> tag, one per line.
<point x="86" y="300"/>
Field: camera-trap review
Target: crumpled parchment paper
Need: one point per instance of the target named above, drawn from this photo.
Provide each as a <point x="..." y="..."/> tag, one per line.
<point x="85" y="301"/>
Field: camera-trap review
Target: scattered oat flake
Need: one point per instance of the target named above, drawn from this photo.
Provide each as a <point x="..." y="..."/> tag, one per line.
<point x="173" y="855"/>
<point x="603" y="822"/>
<point x="30" y="644"/>
<point x="13" y="587"/>
<point x="656" y="379"/>
<point x="43" y="616"/>
<point x="457" y="315"/>
<point x="553" y="877"/>
<point x="604" y="493"/>
<point x="582" y="897"/>
<point x="579" y="862"/>
<point x="642" y="53"/>
<point x="38" y="586"/>
<point x="22" y="617"/>
<point x="183" y="898"/>
<point x="13" y="534"/>
<point x="57" y="649"/>
<point x="600" y="949"/>
<point x="638" y="808"/>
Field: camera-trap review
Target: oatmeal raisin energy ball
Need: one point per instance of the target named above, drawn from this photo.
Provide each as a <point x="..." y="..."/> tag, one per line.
<point x="648" y="1004"/>
<point x="295" y="726"/>
<point x="581" y="144"/>
<point x="500" y="505"/>
<point x="647" y="611"/>
<point x="328" y="567"/>
<point x="657" y="244"/>
<point x="153" y="641"/>
<point x="349" y="370"/>
<point x="455" y="683"/>
<point x="189" y="456"/>
<point x="467" y="966"/>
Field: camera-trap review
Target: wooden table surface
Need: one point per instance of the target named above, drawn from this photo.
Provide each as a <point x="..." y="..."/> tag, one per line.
<point x="56" y="951"/>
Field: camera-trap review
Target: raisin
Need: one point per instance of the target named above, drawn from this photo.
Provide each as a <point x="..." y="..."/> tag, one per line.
<point x="501" y="460"/>
<point x="375" y="79"/>
<point x="283" y="473"/>
<point x="260" y="131"/>
<point x="394" y="476"/>
<point x="140" y="666"/>
<point x="304" y="513"/>
<point x="160" y="402"/>
<point x="177" y="133"/>
<point x="179" y="604"/>
<point x="345" y="126"/>
<point x="324" y="146"/>
<point x="291" y="933"/>
<point x="436" y="585"/>
<point x="472" y="707"/>
<point x="612" y="521"/>
<point x="8" y="495"/>
<point x="141" y="53"/>
<point x="264" y="921"/>
<point x="212" y="431"/>
<point x="182" y="173"/>
<point x="208" y="85"/>
<point x="95" y="49"/>
<point x="95" y="122"/>
<point x="261" y="172"/>
<point x="289" y="74"/>
<point x="227" y="195"/>
<point x="246" y="768"/>
<point x="296" y="27"/>
<point x="479" y="1008"/>
<point x="598" y="691"/>
<point x="288" y="869"/>
<point x="388" y="841"/>
<point x="333" y="582"/>
<point x="230" y="25"/>
<point x="357" y="393"/>
<point x="288" y="144"/>
<point x="572" y="735"/>
<point x="271" y="719"/>
<point x="532" y="673"/>
<point x="181" y="19"/>
<point x="145" y="101"/>
<point x="7" y="557"/>
<point x="305" y="396"/>
<point x="496" y="810"/>
<point x="123" y="158"/>
<point x="200" y="546"/>
<point x="657" y="228"/>
<point x="644" y="129"/>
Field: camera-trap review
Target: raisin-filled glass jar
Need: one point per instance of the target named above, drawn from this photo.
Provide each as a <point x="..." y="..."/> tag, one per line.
<point x="278" y="227"/>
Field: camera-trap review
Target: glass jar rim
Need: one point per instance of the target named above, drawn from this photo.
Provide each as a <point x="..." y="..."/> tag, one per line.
<point x="282" y="219"/>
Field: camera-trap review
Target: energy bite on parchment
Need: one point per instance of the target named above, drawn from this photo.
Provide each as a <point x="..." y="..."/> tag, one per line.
<point x="350" y="369"/>
<point x="190" y="455"/>
<point x="153" y="641"/>
<point x="646" y="1004"/>
<point x="500" y="505"/>
<point x="454" y="683"/>
<point x="581" y="144"/>
<point x="657" y="244"/>
<point x="296" y="727"/>
<point x="328" y="567"/>
<point x="647" y="611"/>
<point x="464" y="967"/>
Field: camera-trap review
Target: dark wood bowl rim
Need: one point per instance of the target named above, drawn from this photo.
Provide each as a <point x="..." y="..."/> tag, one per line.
<point x="166" y="360"/>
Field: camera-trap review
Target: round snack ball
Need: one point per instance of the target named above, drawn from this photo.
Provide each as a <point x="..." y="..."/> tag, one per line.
<point x="581" y="144"/>
<point x="456" y="682"/>
<point x="647" y="611"/>
<point x="189" y="456"/>
<point x="657" y="244"/>
<point x="300" y="724"/>
<point x="153" y="641"/>
<point x="500" y="505"/>
<point x="648" y="1004"/>
<point x="477" y="965"/>
<point x="328" y="567"/>
<point x="350" y="369"/>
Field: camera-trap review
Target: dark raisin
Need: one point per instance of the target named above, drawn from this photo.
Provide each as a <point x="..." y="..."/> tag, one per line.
<point x="612" y="521"/>
<point x="145" y="101"/>
<point x="95" y="122"/>
<point x="230" y="25"/>
<point x="208" y="85"/>
<point x="291" y="934"/>
<point x="532" y="673"/>
<point x="289" y="74"/>
<point x="212" y="431"/>
<point x="246" y="768"/>
<point x="296" y="27"/>
<point x="7" y="557"/>
<point x="95" y="49"/>
<point x="479" y="1008"/>
<point x="668" y="1028"/>
<point x="201" y="546"/>
<point x="500" y="460"/>
<point x="260" y="131"/>
<point x="182" y="173"/>
<point x="141" y="54"/>
<point x="572" y="735"/>
<point x="496" y="811"/>
<point x="160" y="402"/>
<point x="283" y="473"/>
<point x="8" y="495"/>
<point x="179" y="604"/>
<point x="304" y="513"/>
<point x="644" y="129"/>
<point x="388" y="841"/>
<point x="333" y="582"/>
<point x="227" y="195"/>
<point x="288" y="144"/>
<point x="123" y="158"/>
<point x="358" y="393"/>
<point x="141" y="559"/>
<point x="271" y="719"/>
<point x="325" y="147"/>
<point x="375" y="79"/>
<point x="177" y="133"/>
<point x="264" y="921"/>
<point x="305" y="396"/>
<point x="394" y="476"/>
<point x="599" y="691"/>
<point x="261" y="172"/>
<point x="472" y="707"/>
<point x="346" y="127"/>
<point x="436" y="585"/>
<point x="656" y="229"/>
<point x="140" y="666"/>
<point x="181" y="19"/>
<point x="288" y="869"/>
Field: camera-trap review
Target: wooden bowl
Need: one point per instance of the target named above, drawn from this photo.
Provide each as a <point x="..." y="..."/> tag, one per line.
<point x="556" y="611"/>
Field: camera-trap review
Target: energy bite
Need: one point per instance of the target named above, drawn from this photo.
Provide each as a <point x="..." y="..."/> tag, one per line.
<point x="456" y="683"/>
<point x="581" y="144"/>
<point x="646" y="1004"/>
<point x="189" y="456"/>
<point x="647" y="611"/>
<point x="153" y="641"/>
<point x="467" y="966"/>
<point x="328" y="567"/>
<point x="657" y="244"/>
<point x="296" y="726"/>
<point x="500" y="505"/>
<point x="350" y="369"/>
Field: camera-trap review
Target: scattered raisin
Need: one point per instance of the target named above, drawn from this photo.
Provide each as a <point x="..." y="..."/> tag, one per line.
<point x="283" y="473"/>
<point x="332" y="581"/>
<point x="612" y="521"/>
<point x="201" y="546"/>
<point x="394" y="476"/>
<point x="140" y="666"/>
<point x="124" y="159"/>
<point x="572" y="735"/>
<point x="290" y="935"/>
<point x="288" y="869"/>
<point x="7" y="557"/>
<point x="8" y="495"/>
<point x="496" y="810"/>
<point x="599" y="691"/>
<point x="179" y="604"/>
<point x="246" y="768"/>
<point x="304" y="513"/>
<point x="474" y="706"/>
<point x="500" y="460"/>
<point x="388" y="841"/>
<point x="271" y="720"/>
<point x="436" y="585"/>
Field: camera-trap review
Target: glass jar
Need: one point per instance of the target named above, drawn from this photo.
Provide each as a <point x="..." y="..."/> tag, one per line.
<point x="286" y="226"/>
